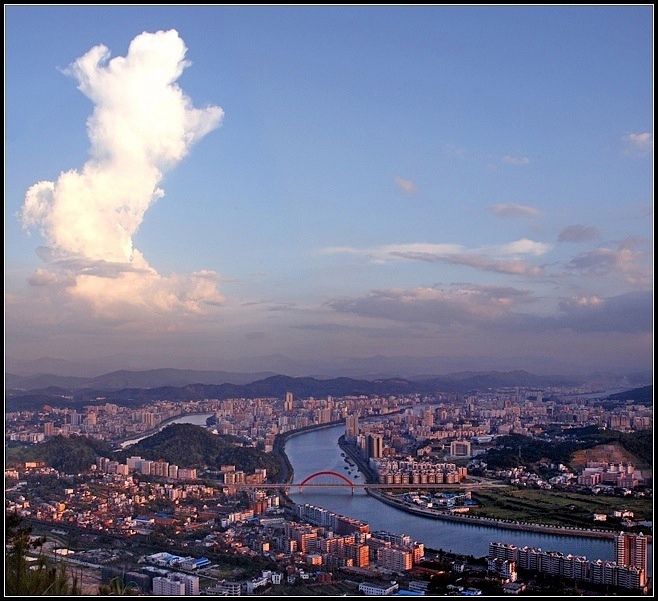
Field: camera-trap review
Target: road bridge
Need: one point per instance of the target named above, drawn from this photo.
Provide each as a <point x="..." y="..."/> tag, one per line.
<point x="338" y="480"/>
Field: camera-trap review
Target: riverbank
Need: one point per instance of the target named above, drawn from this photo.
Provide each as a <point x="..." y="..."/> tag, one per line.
<point x="490" y="522"/>
<point x="462" y="518"/>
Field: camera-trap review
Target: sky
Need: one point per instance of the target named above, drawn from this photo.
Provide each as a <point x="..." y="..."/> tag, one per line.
<point x="191" y="184"/>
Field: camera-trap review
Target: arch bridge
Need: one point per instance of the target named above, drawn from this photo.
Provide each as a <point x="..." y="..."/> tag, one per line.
<point x="345" y="481"/>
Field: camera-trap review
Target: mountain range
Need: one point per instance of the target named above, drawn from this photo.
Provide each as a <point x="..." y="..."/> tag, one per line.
<point x="140" y="387"/>
<point x="239" y="370"/>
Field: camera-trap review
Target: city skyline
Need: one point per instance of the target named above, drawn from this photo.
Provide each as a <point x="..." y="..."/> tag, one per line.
<point x="190" y="184"/>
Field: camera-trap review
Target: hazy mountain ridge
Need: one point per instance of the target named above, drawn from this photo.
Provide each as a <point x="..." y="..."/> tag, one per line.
<point x="117" y="380"/>
<point x="360" y="368"/>
<point x="162" y="377"/>
<point x="276" y="387"/>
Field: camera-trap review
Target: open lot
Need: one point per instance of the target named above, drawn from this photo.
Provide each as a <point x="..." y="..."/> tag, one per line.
<point x="555" y="508"/>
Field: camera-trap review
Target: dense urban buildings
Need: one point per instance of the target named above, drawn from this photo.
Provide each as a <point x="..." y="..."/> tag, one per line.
<point x="402" y="440"/>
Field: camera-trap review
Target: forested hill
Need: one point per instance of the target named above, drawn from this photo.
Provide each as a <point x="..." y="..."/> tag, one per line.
<point x="185" y="445"/>
<point x="190" y="446"/>
<point x="68" y="454"/>
<point x="505" y="453"/>
<point x="640" y="396"/>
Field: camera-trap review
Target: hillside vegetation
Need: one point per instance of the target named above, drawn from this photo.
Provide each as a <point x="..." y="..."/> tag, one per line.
<point x="69" y="454"/>
<point x="508" y="449"/>
<point x="190" y="446"/>
<point x="185" y="445"/>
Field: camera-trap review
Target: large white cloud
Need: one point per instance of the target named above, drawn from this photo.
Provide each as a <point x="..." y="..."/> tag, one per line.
<point x="141" y="126"/>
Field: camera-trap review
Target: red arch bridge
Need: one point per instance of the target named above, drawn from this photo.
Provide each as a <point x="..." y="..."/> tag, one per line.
<point x="340" y="480"/>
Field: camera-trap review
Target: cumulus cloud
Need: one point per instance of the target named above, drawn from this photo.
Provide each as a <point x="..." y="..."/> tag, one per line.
<point x="514" y="210"/>
<point x="506" y="258"/>
<point x="638" y="144"/>
<point x="407" y="186"/>
<point x="578" y="233"/>
<point x="43" y="277"/>
<point x="142" y="125"/>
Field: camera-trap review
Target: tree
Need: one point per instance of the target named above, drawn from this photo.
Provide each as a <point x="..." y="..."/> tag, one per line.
<point x="39" y="577"/>
<point x="119" y="586"/>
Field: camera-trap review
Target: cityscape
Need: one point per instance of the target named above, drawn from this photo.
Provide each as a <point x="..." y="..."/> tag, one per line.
<point x="328" y="300"/>
<point x="424" y="455"/>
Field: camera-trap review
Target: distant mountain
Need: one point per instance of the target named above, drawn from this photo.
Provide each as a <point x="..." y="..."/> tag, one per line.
<point x="360" y="368"/>
<point x="42" y="381"/>
<point x="117" y="380"/>
<point x="48" y="365"/>
<point x="276" y="387"/>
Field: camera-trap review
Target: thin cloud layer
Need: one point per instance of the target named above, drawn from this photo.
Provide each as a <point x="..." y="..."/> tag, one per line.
<point x="638" y="144"/>
<point x="506" y="258"/>
<point x="142" y="125"/>
<point x="407" y="186"/>
<point x="510" y="160"/>
<point x="499" y="308"/>
<point x="578" y="233"/>
<point x="514" y="210"/>
<point x="463" y="305"/>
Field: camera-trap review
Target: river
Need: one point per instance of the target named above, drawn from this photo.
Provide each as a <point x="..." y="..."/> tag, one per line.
<point x="318" y="451"/>
<point x="198" y="419"/>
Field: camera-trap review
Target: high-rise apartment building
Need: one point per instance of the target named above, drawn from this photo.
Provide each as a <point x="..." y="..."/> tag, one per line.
<point x="352" y="426"/>
<point x="288" y="404"/>
<point x="632" y="550"/>
<point x="375" y="446"/>
<point x="75" y="417"/>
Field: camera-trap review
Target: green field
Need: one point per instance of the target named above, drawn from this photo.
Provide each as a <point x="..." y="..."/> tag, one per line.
<point x="336" y="589"/>
<point x="557" y="508"/>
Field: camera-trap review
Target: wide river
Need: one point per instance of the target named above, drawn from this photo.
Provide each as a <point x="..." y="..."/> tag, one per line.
<point x="318" y="451"/>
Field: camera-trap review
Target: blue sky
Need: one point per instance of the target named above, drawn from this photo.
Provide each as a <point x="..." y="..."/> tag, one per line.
<point x="471" y="183"/>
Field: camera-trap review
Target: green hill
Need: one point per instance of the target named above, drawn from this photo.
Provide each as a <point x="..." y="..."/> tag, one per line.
<point x="639" y="396"/>
<point x="69" y="454"/>
<point x="190" y="446"/>
<point x="506" y="452"/>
